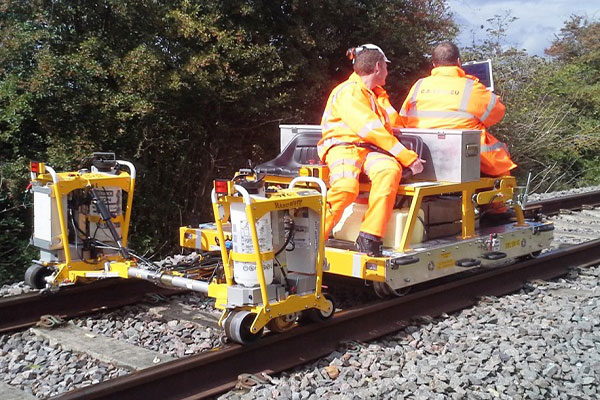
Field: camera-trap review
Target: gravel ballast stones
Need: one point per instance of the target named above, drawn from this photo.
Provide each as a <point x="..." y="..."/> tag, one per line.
<point x="139" y="326"/>
<point x="562" y="193"/>
<point x="538" y="343"/>
<point x="542" y="342"/>
<point x="31" y="364"/>
<point x="15" y="289"/>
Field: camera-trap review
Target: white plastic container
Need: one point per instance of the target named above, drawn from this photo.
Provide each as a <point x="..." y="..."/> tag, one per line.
<point x="349" y="226"/>
<point x="244" y="273"/>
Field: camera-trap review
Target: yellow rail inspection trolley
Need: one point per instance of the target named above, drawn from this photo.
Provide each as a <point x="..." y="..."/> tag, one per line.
<point x="268" y="230"/>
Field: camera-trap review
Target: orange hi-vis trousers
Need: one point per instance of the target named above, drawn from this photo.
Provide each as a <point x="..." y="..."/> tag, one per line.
<point x="346" y="162"/>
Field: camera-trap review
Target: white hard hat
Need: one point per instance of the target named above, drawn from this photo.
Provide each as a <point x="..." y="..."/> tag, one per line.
<point x="370" y="46"/>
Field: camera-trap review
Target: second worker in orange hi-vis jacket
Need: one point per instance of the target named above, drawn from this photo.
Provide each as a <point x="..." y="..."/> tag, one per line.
<point x="451" y="99"/>
<point x="357" y="137"/>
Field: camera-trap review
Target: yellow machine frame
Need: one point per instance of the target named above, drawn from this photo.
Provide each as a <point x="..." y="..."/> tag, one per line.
<point x="256" y="208"/>
<point x="62" y="184"/>
<point x="482" y="192"/>
<point x="340" y="261"/>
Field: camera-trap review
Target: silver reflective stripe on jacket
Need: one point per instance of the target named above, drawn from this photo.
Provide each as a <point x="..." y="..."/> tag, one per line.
<point x="490" y="107"/>
<point x="493" y="147"/>
<point x="327" y="143"/>
<point x="336" y="94"/>
<point x="368" y="127"/>
<point x="346" y="161"/>
<point x="389" y="111"/>
<point x="413" y="98"/>
<point x="331" y="125"/>
<point x="327" y="112"/>
<point x="398" y="147"/>
<point x="464" y="102"/>
<point x="439" y="114"/>
<point x="373" y="159"/>
<point x="343" y="174"/>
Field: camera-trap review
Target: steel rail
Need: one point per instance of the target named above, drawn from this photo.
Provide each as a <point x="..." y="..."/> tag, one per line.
<point x="25" y="310"/>
<point x="22" y="311"/>
<point x="571" y="202"/>
<point x="208" y="374"/>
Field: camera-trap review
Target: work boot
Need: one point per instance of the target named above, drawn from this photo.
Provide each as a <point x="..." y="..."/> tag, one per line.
<point x="369" y="244"/>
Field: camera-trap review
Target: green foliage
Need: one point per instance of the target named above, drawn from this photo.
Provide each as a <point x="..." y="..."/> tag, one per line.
<point x="552" y="123"/>
<point x="188" y="90"/>
<point x="15" y="251"/>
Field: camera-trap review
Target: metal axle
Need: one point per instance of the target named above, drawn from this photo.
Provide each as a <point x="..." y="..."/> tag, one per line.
<point x="168" y="280"/>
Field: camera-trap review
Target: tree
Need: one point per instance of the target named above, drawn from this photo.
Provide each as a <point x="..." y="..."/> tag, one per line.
<point x="549" y="123"/>
<point x="188" y="90"/>
<point x="577" y="41"/>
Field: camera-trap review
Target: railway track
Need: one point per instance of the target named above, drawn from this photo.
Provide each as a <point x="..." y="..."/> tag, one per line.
<point x="22" y="311"/>
<point x="110" y="294"/>
<point x="208" y="374"/>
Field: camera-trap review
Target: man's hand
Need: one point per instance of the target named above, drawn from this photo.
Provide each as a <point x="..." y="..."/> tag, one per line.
<point x="417" y="166"/>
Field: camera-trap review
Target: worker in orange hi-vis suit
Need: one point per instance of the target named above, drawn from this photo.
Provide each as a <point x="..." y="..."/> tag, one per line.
<point x="357" y="137"/>
<point x="451" y="99"/>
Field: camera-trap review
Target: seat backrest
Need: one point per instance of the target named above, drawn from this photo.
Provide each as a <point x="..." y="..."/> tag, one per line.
<point x="305" y="151"/>
<point x="302" y="150"/>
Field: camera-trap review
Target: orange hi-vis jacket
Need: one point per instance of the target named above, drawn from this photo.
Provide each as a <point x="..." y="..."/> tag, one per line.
<point x="356" y="114"/>
<point x="392" y="115"/>
<point x="451" y="99"/>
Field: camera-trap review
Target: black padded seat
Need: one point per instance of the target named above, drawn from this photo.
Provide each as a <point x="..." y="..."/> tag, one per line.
<point x="302" y="150"/>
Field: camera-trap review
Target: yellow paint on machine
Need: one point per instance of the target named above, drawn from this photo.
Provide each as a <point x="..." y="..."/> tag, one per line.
<point x="512" y="243"/>
<point x="201" y="238"/>
<point x="445" y="264"/>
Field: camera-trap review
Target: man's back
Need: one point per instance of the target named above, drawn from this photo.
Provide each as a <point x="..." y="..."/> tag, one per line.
<point x="450" y="99"/>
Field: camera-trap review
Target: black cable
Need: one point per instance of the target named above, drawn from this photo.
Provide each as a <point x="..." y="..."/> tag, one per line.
<point x="288" y="240"/>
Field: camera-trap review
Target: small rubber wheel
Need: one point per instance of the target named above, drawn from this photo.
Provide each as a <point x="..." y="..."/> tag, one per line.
<point x="316" y="315"/>
<point x="237" y="327"/>
<point x="35" y="274"/>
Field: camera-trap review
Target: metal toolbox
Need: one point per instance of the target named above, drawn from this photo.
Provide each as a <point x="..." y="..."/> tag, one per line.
<point x="451" y="155"/>
<point x="287" y="132"/>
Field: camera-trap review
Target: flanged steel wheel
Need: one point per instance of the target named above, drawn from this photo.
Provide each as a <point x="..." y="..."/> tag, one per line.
<point x="237" y="327"/>
<point x="383" y="290"/>
<point x="316" y="315"/>
<point x="283" y="323"/>
<point x="35" y="276"/>
<point x="530" y="256"/>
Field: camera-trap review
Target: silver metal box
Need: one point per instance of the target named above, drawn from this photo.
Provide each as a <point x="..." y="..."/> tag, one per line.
<point x="451" y="155"/>
<point x="46" y="224"/>
<point x="287" y="132"/>
<point x="238" y="295"/>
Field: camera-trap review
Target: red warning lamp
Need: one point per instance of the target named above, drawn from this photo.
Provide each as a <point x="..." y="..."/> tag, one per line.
<point x="37" y="167"/>
<point x="221" y="186"/>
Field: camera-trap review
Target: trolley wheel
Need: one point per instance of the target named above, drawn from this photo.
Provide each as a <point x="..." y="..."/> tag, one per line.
<point x="283" y="323"/>
<point x="316" y="315"/>
<point x="35" y="276"/>
<point x="383" y="290"/>
<point x="237" y="327"/>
